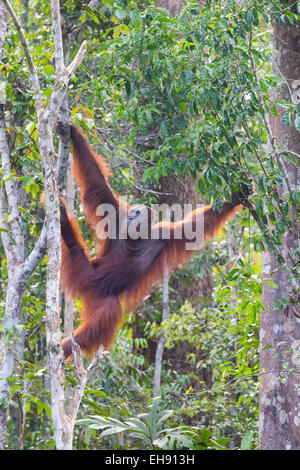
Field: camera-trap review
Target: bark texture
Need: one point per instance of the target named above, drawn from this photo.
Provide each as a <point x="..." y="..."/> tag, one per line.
<point x="19" y="269"/>
<point x="280" y="362"/>
<point x="173" y="6"/>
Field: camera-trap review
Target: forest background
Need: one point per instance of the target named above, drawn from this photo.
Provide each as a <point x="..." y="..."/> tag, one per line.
<point x="187" y="101"/>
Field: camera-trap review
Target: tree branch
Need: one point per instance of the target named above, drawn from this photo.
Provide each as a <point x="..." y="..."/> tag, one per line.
<point x="36" y="254"/>
<point x="32" y="69"/>
<point x="57" y="38"/>
<point x="77" y="59"/>
<point x="82" y="377"/>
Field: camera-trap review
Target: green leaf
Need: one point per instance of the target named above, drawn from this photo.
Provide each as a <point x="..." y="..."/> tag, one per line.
<point x="93" y="16"/>
<point x="117" y="31"/>
<point x="138" y="425"/>
<point x="246" y="443"/>
<point x="40" y="407"/>
<point x="271" y="283"/>
<point x="164" y="129"/>
<point x="286" y="120"/>
<point x="234" y="273"/>
<point x="164" y="415"/>
<point x="223" y="292"/>
<point x="273" y="110"/>
<point x="28" y="180"/>
<point x="120" y="13"/>
<point x="283" y="103"/>
<point x="297" y="123"/>
<point x="124" y="28"/>
<point x="267" y="346"/>
<point x="259" y="246"/>
<point x="136" y="19"/>
<point x="183" y="106"/>
<point x="48" y="69"/>
<point x="144" y="438"/>
<point x="295" y="196"/>
<point x="111" y="430"/>
<point x="259" y="207"/>
<point x="8" y="218"/>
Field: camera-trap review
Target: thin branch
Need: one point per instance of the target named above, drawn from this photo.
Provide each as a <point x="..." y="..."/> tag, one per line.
<point x="282" y="166"/>
<point x="36" y="254"/>
<point x="129" y="152"/>
<point x="236" y="379"/>
<point x="60" y="86"/>
<point x="266" y="120"/>
<point x="285" y="150"/>
<point x="98" y="357"/>
<point x="266" y="194"/>
<point x="277" y="67"/>
<point x="81" y="375"/>
<point x="151" y="191"/>
<point x="77" y="60"/>
<point x="260" y="97"/>
<point x="32" y="69"/>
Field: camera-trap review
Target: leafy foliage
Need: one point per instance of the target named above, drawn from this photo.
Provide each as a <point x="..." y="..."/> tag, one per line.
<point x="147" y="427"/>
<point x="184" y="95"/>
<point x="186" y="92"/>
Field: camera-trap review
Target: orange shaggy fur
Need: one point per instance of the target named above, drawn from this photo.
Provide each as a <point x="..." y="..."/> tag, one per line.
<point x="118" y="275"/>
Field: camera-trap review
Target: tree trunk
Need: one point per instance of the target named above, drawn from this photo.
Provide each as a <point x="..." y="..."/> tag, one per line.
<point x="11" y="318"/>
<point x="65" y="171"/>
<point x="13" y="243"/>
<point x="3" y="25"/>
<point x="173" y="6"/>
<point x="70" y="198"/>
<point x="197" y="291"/>
<point x="19" y="270"/>
<point x="162" y="340"/>
<point x="279" y="331"/>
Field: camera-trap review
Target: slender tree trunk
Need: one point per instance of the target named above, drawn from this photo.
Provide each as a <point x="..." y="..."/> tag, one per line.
<point x="53" y="335"/>
<point x="70" y="198"/>
<point x="3" y="24"/>
<point x="65" y="170"/>
<point x="63" y="422"/>
<point x="8" y="342"/>
<point x="280" y="329"/>
<point x="13" y="242"/>
<point x="162" y="339"/>
<point x="173" y="6"/>
<point x="184" y="192"/>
